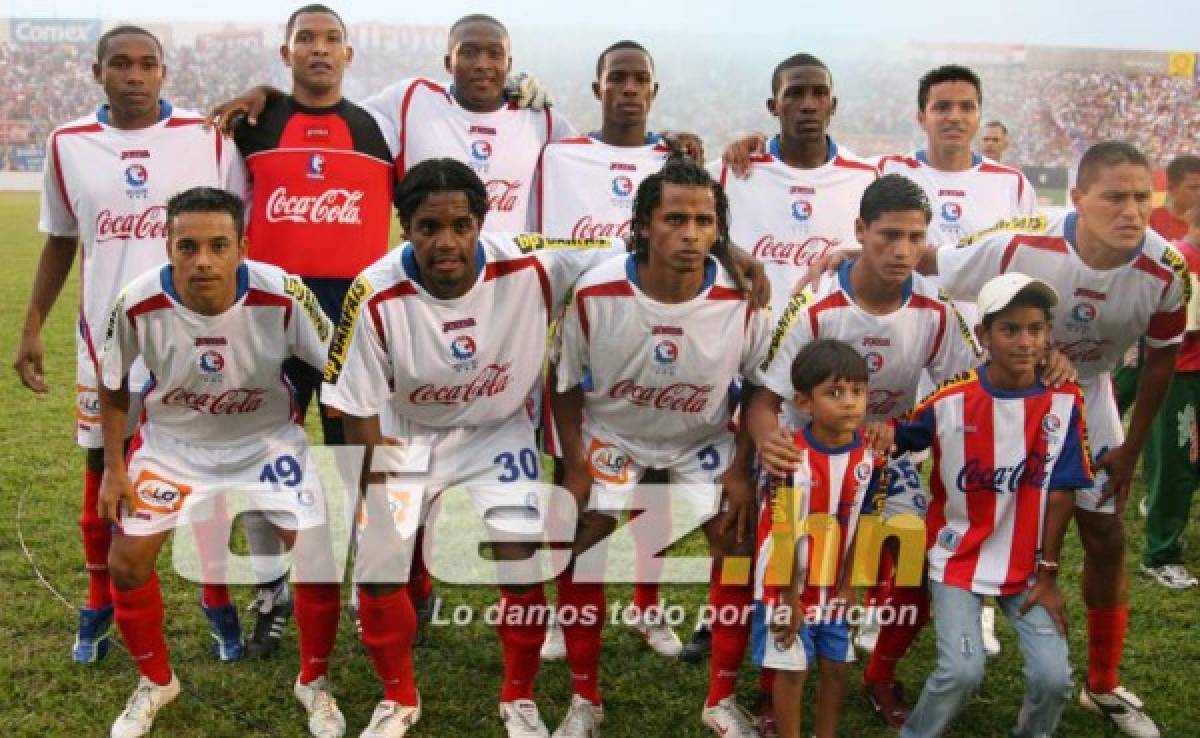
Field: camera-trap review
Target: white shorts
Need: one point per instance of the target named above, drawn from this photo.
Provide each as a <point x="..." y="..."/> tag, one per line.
<point x="1104" y="433"/>
<point x="88" y="431"/>
<point x="905" y="491"/>
<point x="176" y="482"/>
<point x="499" y="465"/>
<point x="694" y="472"/>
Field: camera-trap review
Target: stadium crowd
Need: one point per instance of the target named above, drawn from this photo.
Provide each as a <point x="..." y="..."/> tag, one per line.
<point x="1050" y="127"/>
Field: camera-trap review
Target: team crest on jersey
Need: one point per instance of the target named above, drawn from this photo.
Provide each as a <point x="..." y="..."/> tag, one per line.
<point x="481" y="150"/>
<point x="951" y="212"/>
<point x="622" y="186"/>
<point x="874" y="361"/>
<point x="1051" y="424"/>
<point x="666" y="353"/>
<point x="802" y="210"/>
<point x="211" y="363"/>
<point x="316" y="166"/>
<point x="1084" y="312"/>
<point x="157" y="494"/>
<point x="862" y="472"/>
<point x="462" y="353"/>
<point x="136" y="178"/>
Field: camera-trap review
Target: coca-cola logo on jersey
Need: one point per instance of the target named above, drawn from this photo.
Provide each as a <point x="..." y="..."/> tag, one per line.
<point x="502" y="194"/>
<point x="585" y="227"/>
<point x="230" y="402"/>
<point x="976" y="477"/>
<point x="491" y="381"/>
<point x="793" y="253"/>
<point x="1085" y="349"/>
<point x="682" y="397"/>
<point x="150" y="223"/>
<point x="337" y="206"/>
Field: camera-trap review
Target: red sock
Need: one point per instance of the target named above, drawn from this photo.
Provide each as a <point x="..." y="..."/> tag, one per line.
<point x="420" y="582"/>
<point x="139" y="616"/>
<point x="522" y="629"/>
<point x="97" y="535"/>
<point x="317" y="609"/>
<point x="389" y="625"/>
<point x="730" y="633"/>
<point x="584" y="606"/>
<point x="215" y="595"/>
<point x="645" y="595"/>
<point x="1106" y="640"/>
<point x="895" y="639"/>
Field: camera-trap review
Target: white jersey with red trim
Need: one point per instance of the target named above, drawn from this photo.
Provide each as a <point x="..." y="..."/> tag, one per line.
<point x="996" y="456"/>
<point x="216" y="379"/>
<point x="421" y="120"/>
<point x="926" y="332"/>
<point x="109" y="188"/>
<point x="587" y="186"/>
<point x="969" y="201"/>
<point x="1100" y="314"/>
<point x="788" y="217"/>
<point x="467" y="361"/>
<point x="660" y="373"/>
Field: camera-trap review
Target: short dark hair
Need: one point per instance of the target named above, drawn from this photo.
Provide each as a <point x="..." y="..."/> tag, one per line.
<point x="310" y="8"/>
<point x="618" y="46"/>
<point x="1107" y="154"/>
<point x="678" y="170"/>
<point x="439" y="175"/>
<point x="946" y="73"/>
<point x="1027" y="297"/>
<point x="823" y="359"/>
<point x="474" y="18"/>
<point x="893" y="193"/>
<point x="121" y="30"/>
<point x="208" y="200"/>
<point x="996" y="124"/>
<point x="1180" y="167"/>
<point x="796" y="60"/>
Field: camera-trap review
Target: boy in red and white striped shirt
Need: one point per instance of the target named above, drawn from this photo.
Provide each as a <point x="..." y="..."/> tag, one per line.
<point x="1002" y="500"/>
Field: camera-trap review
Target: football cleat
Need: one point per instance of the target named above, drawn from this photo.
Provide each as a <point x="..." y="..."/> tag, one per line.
<point x="145" y="702"/>
<point x="521" y="720"/>
<point x="658" y="636"/>
<point x="728" y="720"/>
<point x="272" y="608"/>
<point x="94" y="637"/>
<point x="392" y="719"/>
<point x="226" y="632"/>
<point x="698" y="647"/>
<point x="1123" y="709"/>
<point x="1171" y="576"/>
<point x="554" y="648"/>
<point x="324" y="718"/>
<point x="887" y="701"/>
<point x="581" y="720"/>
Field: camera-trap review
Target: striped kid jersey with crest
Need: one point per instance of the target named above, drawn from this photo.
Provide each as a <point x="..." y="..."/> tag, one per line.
<point x="996" y="456"/>
<point x="831" y="485"/>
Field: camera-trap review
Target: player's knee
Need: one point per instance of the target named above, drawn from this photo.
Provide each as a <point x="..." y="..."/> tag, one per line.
<point x="1103" y="538"/>
<point x="1051" y="677"/>
<point x="963" y="672"/>
<point x="126" y="569"/>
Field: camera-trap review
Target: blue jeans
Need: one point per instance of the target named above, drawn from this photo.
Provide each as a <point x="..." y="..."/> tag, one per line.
<point x="961" y="659"/>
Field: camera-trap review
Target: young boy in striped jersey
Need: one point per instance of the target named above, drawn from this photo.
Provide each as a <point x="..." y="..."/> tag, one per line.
<point x="1008" y="455"/>
<point x="799" y="590"/>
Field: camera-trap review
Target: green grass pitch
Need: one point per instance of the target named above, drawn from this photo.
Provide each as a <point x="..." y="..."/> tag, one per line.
<point x="43" y="694"/>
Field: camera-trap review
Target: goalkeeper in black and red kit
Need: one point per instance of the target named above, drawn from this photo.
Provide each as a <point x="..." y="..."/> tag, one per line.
<point x="321" y="180"/>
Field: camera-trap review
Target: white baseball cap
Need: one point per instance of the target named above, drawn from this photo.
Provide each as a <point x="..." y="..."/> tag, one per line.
<point x="1000" y="291"/>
